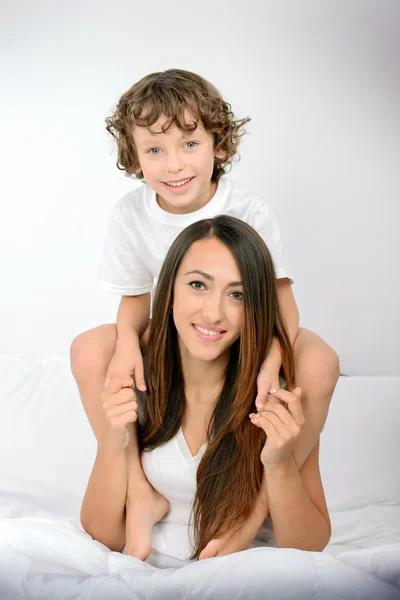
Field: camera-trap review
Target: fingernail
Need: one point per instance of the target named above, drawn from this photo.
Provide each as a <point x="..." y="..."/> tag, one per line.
<point x="259" y="404"/>
<point x="273" y="391"/>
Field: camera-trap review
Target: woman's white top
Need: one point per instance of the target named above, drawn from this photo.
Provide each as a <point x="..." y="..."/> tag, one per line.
<point x="171" y="469"/>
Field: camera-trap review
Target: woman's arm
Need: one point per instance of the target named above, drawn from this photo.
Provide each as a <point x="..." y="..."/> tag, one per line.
<point x="297" y="504"/>
<point x="103" y="507"/>
<point x="295" y="497"/>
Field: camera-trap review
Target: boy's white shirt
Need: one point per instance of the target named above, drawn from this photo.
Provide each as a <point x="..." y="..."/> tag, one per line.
<point x="140" y="234"/>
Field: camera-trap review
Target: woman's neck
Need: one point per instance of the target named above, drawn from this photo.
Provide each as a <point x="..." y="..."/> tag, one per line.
<point x="204" y="380"/>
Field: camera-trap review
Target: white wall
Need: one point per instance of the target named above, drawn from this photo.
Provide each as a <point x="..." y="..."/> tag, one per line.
<point x="320" y="80"/>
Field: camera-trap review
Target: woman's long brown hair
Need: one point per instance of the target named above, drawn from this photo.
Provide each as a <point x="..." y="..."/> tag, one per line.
<point x="230" y="472"/>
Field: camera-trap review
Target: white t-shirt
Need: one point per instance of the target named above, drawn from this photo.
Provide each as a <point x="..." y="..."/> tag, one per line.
<point x="140" y="234"/>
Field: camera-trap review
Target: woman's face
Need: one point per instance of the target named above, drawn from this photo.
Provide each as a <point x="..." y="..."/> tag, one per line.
<point x="208" y="306"/>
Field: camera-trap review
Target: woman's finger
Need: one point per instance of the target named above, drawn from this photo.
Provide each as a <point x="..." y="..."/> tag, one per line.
<point x="292" y="399"/>
<point x="117" y="383"/>
<point x="263" y="423"/>
<point x="284" y="415"/>
<point x="124" y="395"/>
<point x="283" y="432"/>
<point x="120" y="409"/>
<point x="280" y="411"/>
<point x="129" y="416"/>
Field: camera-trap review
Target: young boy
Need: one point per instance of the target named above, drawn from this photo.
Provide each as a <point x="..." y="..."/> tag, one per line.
<point x="174" y="131"/>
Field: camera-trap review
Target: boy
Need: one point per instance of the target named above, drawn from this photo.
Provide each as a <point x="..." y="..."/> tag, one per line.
<point x="175" y="131"/>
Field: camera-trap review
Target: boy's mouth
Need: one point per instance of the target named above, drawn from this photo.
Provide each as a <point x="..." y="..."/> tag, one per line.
<point x="179" y="185"/>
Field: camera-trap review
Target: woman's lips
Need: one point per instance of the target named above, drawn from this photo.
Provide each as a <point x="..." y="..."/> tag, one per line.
<point x="214" y="335"/>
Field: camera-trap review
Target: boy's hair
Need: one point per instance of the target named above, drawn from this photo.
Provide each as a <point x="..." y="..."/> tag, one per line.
<point x="171" y="93"/>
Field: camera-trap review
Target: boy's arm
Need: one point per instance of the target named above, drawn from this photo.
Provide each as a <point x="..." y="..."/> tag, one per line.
<point x="269" y="374"/>
<point x="132" y="318"/>
<point x="290" y="315"/>
<point x="288" y="307"/>
<point x="132" y="321"/>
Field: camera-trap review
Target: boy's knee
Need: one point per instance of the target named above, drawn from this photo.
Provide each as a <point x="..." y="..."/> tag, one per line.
<point x="316" y="360"/>
<point x="92" y="350"/>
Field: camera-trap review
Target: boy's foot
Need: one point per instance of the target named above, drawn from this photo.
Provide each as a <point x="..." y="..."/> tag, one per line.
<point x="144" y="508"/>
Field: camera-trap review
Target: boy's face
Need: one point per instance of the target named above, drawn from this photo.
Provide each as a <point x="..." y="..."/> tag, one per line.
<point x="178" y="165"/>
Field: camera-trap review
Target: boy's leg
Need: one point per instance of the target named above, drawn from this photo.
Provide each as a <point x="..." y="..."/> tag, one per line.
<point x="91" y="353"/>
<point x="317" y="372"/>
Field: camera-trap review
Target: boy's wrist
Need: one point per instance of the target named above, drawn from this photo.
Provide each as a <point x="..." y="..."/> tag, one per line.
<point x="127" y="338"/>
<point x="273" y="360"/>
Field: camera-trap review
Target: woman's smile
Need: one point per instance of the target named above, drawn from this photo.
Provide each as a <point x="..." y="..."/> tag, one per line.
<point x="208" y="334"/>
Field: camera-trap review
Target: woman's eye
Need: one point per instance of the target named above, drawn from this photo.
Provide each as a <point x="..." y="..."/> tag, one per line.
<point x="194" y="144"/>
<point x="197" y="285"/>
<point x="154" y="151"/>
<point x="237" y="295"/>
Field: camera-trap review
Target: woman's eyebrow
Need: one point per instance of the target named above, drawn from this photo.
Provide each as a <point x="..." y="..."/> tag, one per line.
<point x="211" y="278"/>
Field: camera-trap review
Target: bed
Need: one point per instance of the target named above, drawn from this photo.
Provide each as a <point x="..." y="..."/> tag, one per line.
<point x="47" y="450"/>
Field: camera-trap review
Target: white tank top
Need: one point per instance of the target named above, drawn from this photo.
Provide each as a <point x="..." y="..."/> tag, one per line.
<point x="171" y="469"/>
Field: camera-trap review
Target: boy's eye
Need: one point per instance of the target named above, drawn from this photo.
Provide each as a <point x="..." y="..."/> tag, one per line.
<point x="153" y="151"/>
<point x="194" y="144"/>
<point x="237" y="295"/>
<point x="197" y="285"/>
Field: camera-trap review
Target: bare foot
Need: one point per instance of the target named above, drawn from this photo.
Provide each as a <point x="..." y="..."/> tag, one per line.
<point x="144" y="508"/>
<point x="228" y="544"/>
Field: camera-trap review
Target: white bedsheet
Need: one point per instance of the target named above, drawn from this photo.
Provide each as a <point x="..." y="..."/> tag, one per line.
<point x="46" y="558"/>
<point x="46" y="454"/>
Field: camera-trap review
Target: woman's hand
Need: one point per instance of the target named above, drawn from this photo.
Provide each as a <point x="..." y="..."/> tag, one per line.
<point x="282" y="425"/>
<point x="119" y="408"/>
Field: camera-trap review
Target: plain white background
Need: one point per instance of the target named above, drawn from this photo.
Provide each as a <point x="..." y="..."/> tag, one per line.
<point x="321" y="81"/>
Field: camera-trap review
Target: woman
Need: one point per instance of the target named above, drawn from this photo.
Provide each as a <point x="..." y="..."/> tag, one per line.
<point x="215" y="315"/>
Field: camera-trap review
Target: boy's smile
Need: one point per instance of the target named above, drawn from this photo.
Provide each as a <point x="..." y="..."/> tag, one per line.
<point x="179" y="186"/>
<point x="177" y="165"/>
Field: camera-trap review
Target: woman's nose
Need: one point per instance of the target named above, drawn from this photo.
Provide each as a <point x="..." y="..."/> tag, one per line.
<point x="212" y="308"/>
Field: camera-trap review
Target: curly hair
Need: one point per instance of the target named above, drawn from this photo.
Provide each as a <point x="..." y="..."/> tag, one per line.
<point x="172" y="93"/>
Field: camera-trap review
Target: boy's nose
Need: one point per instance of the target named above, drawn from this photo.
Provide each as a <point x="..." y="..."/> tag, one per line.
<point x="174" y="162"/>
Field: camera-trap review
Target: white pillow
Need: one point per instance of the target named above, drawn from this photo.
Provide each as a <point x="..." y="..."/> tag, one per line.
<point x="47" y="447"/>
<point x="359" y="456"/>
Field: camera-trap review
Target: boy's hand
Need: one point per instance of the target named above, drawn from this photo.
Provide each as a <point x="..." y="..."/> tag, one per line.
<point x="126" y="362"/>
<point x="282" y="426"/>
<point x="120" y="408"/>
<point x="267" y="379"/>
